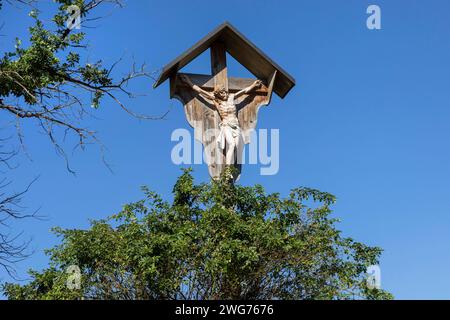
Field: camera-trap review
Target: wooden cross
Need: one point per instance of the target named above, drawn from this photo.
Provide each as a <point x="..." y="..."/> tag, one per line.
<point x="201" y="115"/>
<point x="205" y="120"/>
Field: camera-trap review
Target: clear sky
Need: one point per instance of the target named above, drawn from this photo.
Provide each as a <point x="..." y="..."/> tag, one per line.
<point x="369" y="121"/>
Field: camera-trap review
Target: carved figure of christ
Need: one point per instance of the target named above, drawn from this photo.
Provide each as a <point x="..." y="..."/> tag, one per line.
<point x="229" y="138"/>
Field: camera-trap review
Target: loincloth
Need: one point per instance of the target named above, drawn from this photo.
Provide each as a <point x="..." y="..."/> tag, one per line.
<point x="228" y="125"/>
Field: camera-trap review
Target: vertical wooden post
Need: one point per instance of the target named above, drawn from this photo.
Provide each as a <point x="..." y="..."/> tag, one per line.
<point x="219" y="65"/>
<point x="220" y="74"/>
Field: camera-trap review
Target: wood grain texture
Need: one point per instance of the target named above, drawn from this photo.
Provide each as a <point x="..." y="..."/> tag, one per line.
<point x="219" y="65"/>
<point x="202" y="116"/>
<point x="201" y="107"/>
<point x="206" y="82"/>
<point x="242" y="49"/>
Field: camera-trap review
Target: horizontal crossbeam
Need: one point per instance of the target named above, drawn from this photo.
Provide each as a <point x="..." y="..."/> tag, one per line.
<point x="206" y="82"/>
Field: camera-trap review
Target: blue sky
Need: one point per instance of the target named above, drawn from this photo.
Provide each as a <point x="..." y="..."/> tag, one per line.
<point x="367" y="121"/>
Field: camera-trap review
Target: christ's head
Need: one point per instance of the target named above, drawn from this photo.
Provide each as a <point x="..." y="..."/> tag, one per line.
<point x="221" y="94"/>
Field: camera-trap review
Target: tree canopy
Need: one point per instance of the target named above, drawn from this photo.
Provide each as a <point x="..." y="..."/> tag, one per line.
<point x="211" y="241"/>
<point x="47" y="80"/>
<point x="50" y="80"/>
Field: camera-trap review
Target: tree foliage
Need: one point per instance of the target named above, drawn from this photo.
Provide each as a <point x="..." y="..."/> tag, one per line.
<point x="212" y="241"/>
<point x="49" y="80"/>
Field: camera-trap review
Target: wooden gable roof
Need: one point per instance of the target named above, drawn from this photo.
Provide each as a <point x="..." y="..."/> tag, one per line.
<point x="240" y="48"/>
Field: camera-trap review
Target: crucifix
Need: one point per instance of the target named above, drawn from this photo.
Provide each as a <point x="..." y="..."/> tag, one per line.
<point x="223" y="110"/>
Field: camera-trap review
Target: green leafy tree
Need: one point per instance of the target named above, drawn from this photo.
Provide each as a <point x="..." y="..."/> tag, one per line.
<point x="212" y="241"/>
<point x="48" y="81"/>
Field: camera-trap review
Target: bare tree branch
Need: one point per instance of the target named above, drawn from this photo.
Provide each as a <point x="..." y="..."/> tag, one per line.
<point x="12" y="249"/>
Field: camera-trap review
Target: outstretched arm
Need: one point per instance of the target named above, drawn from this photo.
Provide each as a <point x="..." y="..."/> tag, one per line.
<point x="254" y="85"/>
<point x="203" y="93"/>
